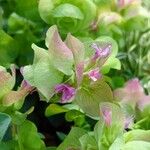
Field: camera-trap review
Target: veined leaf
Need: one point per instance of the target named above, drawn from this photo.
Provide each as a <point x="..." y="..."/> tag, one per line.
<point x="89" y="97"/>
<point x="42" y="73"/>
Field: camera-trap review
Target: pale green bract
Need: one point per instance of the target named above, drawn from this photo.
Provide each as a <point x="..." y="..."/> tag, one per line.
<point x="69" y="15"/>
<point x="90" y="96"/>
<point x="42" y="73"/>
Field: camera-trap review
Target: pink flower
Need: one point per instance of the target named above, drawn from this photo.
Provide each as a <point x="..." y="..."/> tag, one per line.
<point x="101" y="52"/>
<point x="94" y="74"/>
<point x="67" y="92"/>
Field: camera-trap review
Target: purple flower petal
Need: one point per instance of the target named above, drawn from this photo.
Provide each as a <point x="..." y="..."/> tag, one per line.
<point x="67" y="92"/>
<point x="94" y="74"/>
<point x="101" y="52"/>
<point x="97" y="51"/>
<point x="106" y="51"/>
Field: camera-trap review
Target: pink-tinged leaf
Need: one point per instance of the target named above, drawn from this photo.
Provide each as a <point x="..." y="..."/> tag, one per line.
<point x="109" y="17"/>
<point x="26" y="86"/>
<point x="15" y="96"/>
<point x="119" y="94"/>
<point x="49" y="35"/>
<point x="67" y="92"/>
<point x="134" y="86"/>
<point x="124" y="3"/>
<point x="112" y="114"/>
<point x="110" y="125"/>
<point x="12" y="97"/>
<point x="78" y="51"/>
<point x="77" y="48"/>
<point x="94" y="74"/>
<point x="107" y="115"/>
<point x="42" y="74"/>
<point x="144" y="102"/>
<point x="121" y="3"/>
<point x="79" y="69"/>
<point x="61" y="56"/>
<point x="7" y="81"/>
<point x="131" y="93"/>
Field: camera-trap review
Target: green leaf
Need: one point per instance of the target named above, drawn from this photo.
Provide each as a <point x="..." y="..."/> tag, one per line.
<point x="117" y="144"/>
<point x="17" y="23"/>
<point x="133" y="145"/>
<point x="112" y="63"/>
<point x="54" y="109"/>
<point x="117" y="81"/>
<point x="72" y="140"/>
<point x="18" y="118"/>
<point x="51" y="148"/>
<point x="28" y="10"/>
<point x="73" y="114"/>
<point x="9" y="145"/>
<point x="29" y="138"/>
<point x="8" y="49"/>
<point x="88" y="142"/>
<point x="137" y="135"/>
<point x="1" y="17"/>
<point x="42" y="74"/>
<point x="76" y="116"/>
<point x="76" y="17"/>
<point x="90" y="96"/>
<point x="67" y="10"/>
<point x="4" y="124"/>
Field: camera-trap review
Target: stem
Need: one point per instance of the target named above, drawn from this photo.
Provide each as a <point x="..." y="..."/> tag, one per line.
<point x="14" y="131"/>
